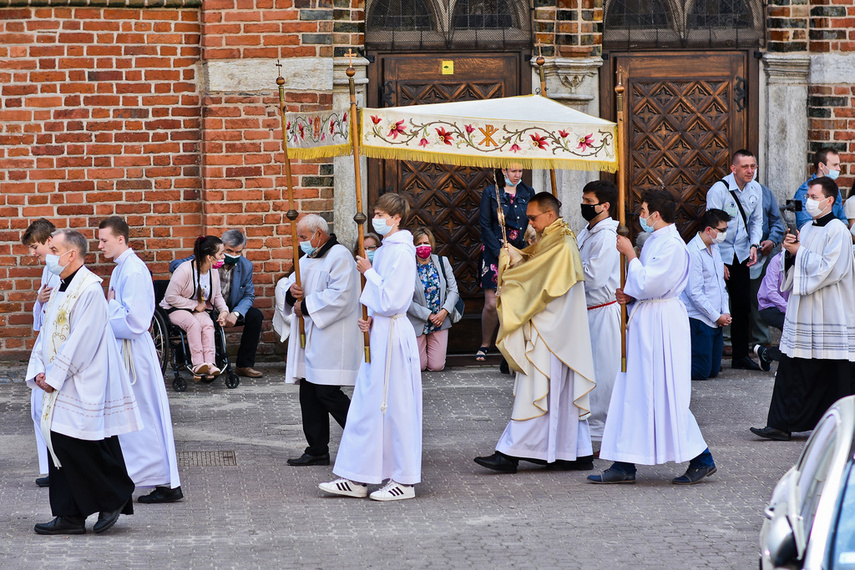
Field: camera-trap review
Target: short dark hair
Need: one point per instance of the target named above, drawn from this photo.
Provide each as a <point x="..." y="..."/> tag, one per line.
<point x="118" y="226"/>
<point x="821" y="156"/>
<point x="712" y="217"/>
<point x="546" y="202"/>
<point x="38" y="232"/>
<point x="661" y="201"/>
<point x="743" y="152"/>
<point x="605" y="191"/>
<point x="394" y="205"/>
<point x="829" y="186"/>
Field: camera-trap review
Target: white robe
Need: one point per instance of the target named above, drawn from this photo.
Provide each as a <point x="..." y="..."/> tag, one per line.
<point x="386" y="442"/>
<point x="149" y="453"/>
<point x="601" y="262"/>
<point x="48" y="280"/>
<point x="334" y="350"/>
<point x="95" y="399"/>
<point x="820" y="318"/>
<point x="649" y="421"/>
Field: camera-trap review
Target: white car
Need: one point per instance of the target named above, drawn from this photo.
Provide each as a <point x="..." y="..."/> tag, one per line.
<point x="810" y="521"/>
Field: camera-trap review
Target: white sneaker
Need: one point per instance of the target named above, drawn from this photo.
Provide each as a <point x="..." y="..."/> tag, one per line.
<point x="345" y="487"/>
<point x="392" y="491"/>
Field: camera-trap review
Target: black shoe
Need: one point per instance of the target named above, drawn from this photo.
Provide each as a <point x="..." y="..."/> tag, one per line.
<point x="106" y="520"/>
<point x="744" y="363"/>
<point x="307" y="459"/>
<point x="580" y="464"/>
<point x="611" y="475"/>
<point x="763" y="356"/>
<point x="503" y="367"/>
<point x="62" y="525"/>
<point x="499" y="462"/>
<point x="43" y="481"/>
<point x="694" y="475"/>
<point x="162" y="495"/>
<point x="771" y="433"/>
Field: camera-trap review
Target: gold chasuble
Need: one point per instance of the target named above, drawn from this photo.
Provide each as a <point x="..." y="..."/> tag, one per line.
<point x="543" y="314"/>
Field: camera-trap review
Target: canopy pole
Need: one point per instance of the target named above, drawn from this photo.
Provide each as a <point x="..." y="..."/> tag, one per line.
<point x="622" y="228"/>
<point x="291" y="214"/>
<point x="540" y="61"/>
<point x="360" y="218"/>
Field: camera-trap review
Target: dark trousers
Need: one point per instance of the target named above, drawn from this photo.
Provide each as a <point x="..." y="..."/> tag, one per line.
<point x="804" y="390"/>
<point x="773" y="318"/>
<point x="249" y="339"/>
<point x="707" y="346"/>
<point x="317" y="403"/>
<point x="92" y="479"/>
<point x="739" y="290"/>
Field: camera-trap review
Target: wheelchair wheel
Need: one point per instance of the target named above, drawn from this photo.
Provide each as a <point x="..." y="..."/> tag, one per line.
<point x="160" y="336"/>
<point x="232" y="380"/>
<point x="179" y="384"/>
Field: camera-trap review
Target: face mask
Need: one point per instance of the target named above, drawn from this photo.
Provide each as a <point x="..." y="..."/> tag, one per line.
<point x="589" y="211"/>
<point x="720" y="237"/>
<point x="217" y="264"/>
<point x="833" y="174"/>
<point x="380" y="226"/>
<point x="307" y="247"/>
<point x="369" y="253"/>
<point x="52" y="263"/>
<point x="509" y="183"/>
<point x="232" y="259"/>
<point x="643" y="222"/>
<point x="423" y="251"/>
<point x="812" y="207"/>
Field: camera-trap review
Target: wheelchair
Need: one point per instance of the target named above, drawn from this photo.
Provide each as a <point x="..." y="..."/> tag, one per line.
<point x="170" y="341"/>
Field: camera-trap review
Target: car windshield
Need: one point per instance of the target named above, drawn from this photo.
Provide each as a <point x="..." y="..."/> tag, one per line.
<point x="842" y="553"/>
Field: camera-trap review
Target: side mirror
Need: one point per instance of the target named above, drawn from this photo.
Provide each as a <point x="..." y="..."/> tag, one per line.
<point x="780" y="544"/>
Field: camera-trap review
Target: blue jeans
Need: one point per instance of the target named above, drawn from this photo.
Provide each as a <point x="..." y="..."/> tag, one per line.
<point x="703" y="460"/>
<point x="707" y="346"/>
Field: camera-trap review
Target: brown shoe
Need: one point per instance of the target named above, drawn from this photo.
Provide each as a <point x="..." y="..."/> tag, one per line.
<point x="248" y="372"/>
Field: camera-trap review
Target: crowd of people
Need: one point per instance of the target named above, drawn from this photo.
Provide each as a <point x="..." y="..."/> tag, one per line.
<point x="553" y="302"/>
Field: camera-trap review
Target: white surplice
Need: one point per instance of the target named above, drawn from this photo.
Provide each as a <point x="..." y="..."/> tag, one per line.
<point x="149" y="453"/>
<point x="820" y="317"/>
<point x="649" y="421"/>
<point x="95" y="399"/>
<point x="601" y="262"/>
<point x="48" y="280"/>
<point x="383" y="434"/>
<point x="334" y="350"/>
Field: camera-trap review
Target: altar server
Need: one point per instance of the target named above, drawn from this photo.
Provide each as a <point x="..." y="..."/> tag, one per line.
<point x="649" y="421"/>
<point x="383" y="435"/>
<point x="818" y="340"/>
<point x="328" y="301"/>
<point x="88" y="397"/>
<point x="150" y="452"/>
<point x="540" y="292"/>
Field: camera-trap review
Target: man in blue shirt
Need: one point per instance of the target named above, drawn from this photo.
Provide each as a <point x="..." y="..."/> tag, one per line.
<point x="705" y="296"/>
<point x="826" y="161"/>
<point x="741" y="197"/>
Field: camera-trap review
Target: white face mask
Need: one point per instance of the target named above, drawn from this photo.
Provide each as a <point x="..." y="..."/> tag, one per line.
<point x="812" y="207"/>
<point x="52" y="263"/>
<point x="720" y="236"/>
<point x="381" y="226"/>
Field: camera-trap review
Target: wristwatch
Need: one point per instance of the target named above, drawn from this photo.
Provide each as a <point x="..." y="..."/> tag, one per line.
<point x="236" y="314"/>
<point x="755" y="245"/>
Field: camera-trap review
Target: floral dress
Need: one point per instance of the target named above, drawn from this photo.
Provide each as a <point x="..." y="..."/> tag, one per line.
<point x="516" y="222"/>
<point x="430" y="281"/>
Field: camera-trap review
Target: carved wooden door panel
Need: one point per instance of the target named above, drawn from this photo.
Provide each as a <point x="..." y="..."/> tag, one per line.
<point x="445" y="198"/>
<point x="687" y="113"/>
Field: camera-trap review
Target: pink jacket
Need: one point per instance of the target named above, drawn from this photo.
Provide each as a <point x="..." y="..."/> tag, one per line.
<point x="179" y="292"/>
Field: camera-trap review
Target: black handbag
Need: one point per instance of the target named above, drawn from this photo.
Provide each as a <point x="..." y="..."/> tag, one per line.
<point x="459" y="306"/>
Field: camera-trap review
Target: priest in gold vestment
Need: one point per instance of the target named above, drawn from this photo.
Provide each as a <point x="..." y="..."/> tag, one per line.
<point x="544" y="335"/>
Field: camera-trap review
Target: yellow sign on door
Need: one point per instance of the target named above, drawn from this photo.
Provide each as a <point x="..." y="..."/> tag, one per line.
<point x="448" y="67"/>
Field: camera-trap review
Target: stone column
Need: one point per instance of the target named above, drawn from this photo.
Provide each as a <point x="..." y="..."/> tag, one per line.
<point x="783" y="158"/>
<point x="344" y="185"/>
<point x="575" y="83"/>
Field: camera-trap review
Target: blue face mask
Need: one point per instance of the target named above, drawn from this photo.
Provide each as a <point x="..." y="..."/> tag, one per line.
<point x="369" y="253"/>
<point x="833" y="174"/>
<point x="509" y="183"/>
<point x="307" y="247"/>
<point x="380" y="226"/>
<point x="643" y="222"/>
<point x="52" y="263"/>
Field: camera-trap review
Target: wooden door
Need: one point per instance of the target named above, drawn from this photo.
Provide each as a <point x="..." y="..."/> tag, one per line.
<point x="687" y="113"/>
<point x="444" y="198"/>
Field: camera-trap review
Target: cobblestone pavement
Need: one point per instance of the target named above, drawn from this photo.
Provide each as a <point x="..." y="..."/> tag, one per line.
<point x="261" y="513"/>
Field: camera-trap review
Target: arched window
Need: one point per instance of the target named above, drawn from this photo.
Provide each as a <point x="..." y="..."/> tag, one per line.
<point x="404" y="15"/>
<point x="482" y="15"/>
<point x="720" y="14"/>
<point x="637" y="14"/>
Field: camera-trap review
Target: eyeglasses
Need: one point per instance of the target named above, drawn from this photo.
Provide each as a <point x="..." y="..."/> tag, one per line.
<point x="534" y="217"/>
<point x="720" y="230"/>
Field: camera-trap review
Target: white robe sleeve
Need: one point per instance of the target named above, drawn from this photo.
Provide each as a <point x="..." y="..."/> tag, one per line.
<point x="391" y="293"/>
<point x="603" y="257"/>
<point x="655" y="279"/>
<point x="87" y="322"/>
<point x="820" y="262"/>
<point x="129" y="322"/>
<point x="336" y="300"/>
<point x="36" y="365"/>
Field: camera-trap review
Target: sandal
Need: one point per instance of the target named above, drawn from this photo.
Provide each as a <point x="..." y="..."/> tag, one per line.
<point x="481" y="355"/>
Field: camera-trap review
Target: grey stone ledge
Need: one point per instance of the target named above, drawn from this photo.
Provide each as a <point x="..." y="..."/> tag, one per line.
<point x="792" y="68"/>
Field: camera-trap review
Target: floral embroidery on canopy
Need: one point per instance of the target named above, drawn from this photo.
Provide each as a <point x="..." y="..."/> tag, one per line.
<point x="318" y="134"/>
